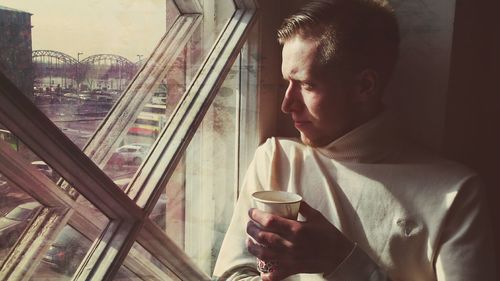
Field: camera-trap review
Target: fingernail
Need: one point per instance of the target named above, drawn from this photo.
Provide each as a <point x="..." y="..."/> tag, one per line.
<point x="250" y="211"/>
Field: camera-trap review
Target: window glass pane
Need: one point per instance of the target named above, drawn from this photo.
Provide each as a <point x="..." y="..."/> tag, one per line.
<point x="166" y="96"/>
<point x="17" y="210"/>
<point x="78" y="80"/>
<point x="125" y="274"/>
<point x="141" y="265"/>
<point x="84" y="54"/>
<point x="64" y="255"/>
<point x="207" y="33"/>
<point x="196" y="206"/>
<point x="24" y="152"/>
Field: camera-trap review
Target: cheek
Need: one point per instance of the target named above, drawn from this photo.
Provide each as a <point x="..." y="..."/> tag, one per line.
<point x="328" y="110"/>
<point x="321" y="108"/>
<point x="314" y="104"/>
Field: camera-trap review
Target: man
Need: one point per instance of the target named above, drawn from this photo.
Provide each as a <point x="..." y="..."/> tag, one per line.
<point x="374" y="207"/>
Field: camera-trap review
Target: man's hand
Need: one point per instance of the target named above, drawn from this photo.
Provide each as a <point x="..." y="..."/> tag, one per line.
<point x="313" y="246"/>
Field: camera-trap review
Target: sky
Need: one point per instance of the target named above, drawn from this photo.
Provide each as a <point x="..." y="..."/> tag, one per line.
<point x="122" y="27"/>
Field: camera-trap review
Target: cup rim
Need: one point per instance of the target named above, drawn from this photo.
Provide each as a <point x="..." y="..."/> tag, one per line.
<point x="299" y="198"/>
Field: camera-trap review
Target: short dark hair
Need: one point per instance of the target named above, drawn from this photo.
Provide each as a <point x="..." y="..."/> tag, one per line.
<point x="352" y="34"/>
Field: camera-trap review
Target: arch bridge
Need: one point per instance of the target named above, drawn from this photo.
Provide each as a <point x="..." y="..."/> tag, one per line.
<point x="101" y="70"/>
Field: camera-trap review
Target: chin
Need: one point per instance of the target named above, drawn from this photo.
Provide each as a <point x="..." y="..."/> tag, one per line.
<point x="317" y="142"/>
<point x="307" y="141"/>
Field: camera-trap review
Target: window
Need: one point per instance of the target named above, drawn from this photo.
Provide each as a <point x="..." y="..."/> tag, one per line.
<point x="120" y="220"/>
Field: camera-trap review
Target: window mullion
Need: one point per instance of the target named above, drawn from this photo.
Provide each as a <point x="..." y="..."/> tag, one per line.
<point x="127" y="108"/>
<point x="142" y="266"/>
<point x="34" y="129"/>
<point x="140" y="90"/>
<point x="29" y="250"/>
<point x="248" y="121"/>
<point x="154" y="240"/>
<point x="188" y="7"/>
<point x="105" y="261"/>
<point x="26" y="177"/>
<point x="175" y="137"/>
<point x="108" y="253"/>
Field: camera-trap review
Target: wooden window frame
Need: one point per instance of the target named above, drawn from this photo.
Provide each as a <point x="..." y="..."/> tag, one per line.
<point x="128" y="220"/>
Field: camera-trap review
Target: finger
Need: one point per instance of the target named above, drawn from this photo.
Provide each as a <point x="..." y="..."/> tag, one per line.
<point x="261" y="252"/>
<point x="307" y="211"/>
<point x="266" y="238"/>
<point x="273" y="223"/>
<point x="286" y="267"/>
<point x="277" y="275"/>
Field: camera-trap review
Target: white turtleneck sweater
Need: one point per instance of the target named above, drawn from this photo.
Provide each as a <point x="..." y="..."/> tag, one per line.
<point x="413" y="216"/>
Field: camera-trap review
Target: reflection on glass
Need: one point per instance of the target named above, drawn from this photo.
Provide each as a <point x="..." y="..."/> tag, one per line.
<point x="17" y="210"/>
<point x="75" y="80"/>
<point x="25" y="152"/>
<point x="80" y="57"/>
<point x="14" y="222"/>
<point x="125" y="274"/>
<point x="63" y="256"/>
<point x="9" y="138"/>
<point x="126" y="159"/>
<point x="196" y="206"/>
<point x="141" y="265"/>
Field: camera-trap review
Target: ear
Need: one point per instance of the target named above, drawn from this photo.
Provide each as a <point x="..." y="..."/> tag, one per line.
<point x="367" y="84"/>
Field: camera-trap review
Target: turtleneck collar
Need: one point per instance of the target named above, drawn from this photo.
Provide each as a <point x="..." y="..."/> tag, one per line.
<point x="367" y="143"/>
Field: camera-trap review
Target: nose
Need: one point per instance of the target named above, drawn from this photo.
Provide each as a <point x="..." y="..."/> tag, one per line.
<point x="291" y="100"/>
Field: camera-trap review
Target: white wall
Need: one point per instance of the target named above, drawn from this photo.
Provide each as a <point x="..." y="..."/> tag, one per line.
<point x="420" y="82"/>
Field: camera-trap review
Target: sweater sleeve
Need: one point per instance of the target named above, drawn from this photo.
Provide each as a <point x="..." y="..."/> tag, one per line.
<point x="357" y="266"/>
<point x="466" y="248"/>
<point x="234" y="261"/>
<point x="465" y="251"/>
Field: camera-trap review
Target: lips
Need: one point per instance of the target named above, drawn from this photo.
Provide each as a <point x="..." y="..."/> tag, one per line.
<point x="300" y="124"/>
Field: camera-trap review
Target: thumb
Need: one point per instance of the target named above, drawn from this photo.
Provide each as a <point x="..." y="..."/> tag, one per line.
<point x="307" y="211"/>
<point x="275" y="275"/>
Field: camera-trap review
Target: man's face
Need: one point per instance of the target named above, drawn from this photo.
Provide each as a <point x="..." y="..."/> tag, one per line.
<point x="317" y="101"/>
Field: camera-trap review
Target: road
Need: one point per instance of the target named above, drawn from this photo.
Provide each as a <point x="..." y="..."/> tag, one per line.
<point x="78" y="120"/>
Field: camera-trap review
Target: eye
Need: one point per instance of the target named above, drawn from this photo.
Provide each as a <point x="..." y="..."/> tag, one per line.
<point x="307" y="86"/>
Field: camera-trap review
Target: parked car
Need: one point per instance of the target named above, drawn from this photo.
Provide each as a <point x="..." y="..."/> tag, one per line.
<point x="145" y="146"/>
<point x="115" y="163"/>
<point x="44" y="168"/>
<point x="103" y="98"/>
<point x="132" y="154"/>
<point x="67" y="251"/>
<point x="70" y="95"/>
<point x="85" y="96"/>
<point x="15" y="221"/>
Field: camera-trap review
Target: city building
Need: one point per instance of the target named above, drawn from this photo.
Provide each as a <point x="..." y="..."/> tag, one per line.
<point x="15" y="48"/>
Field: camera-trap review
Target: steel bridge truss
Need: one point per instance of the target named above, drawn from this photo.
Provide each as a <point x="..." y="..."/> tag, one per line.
<point x="93" y="69"/>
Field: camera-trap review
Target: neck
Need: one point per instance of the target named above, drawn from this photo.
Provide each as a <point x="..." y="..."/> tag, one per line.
<point x="366" y="113"/>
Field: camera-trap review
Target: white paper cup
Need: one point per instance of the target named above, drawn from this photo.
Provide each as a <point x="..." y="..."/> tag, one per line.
<point x="280" y="203"/>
